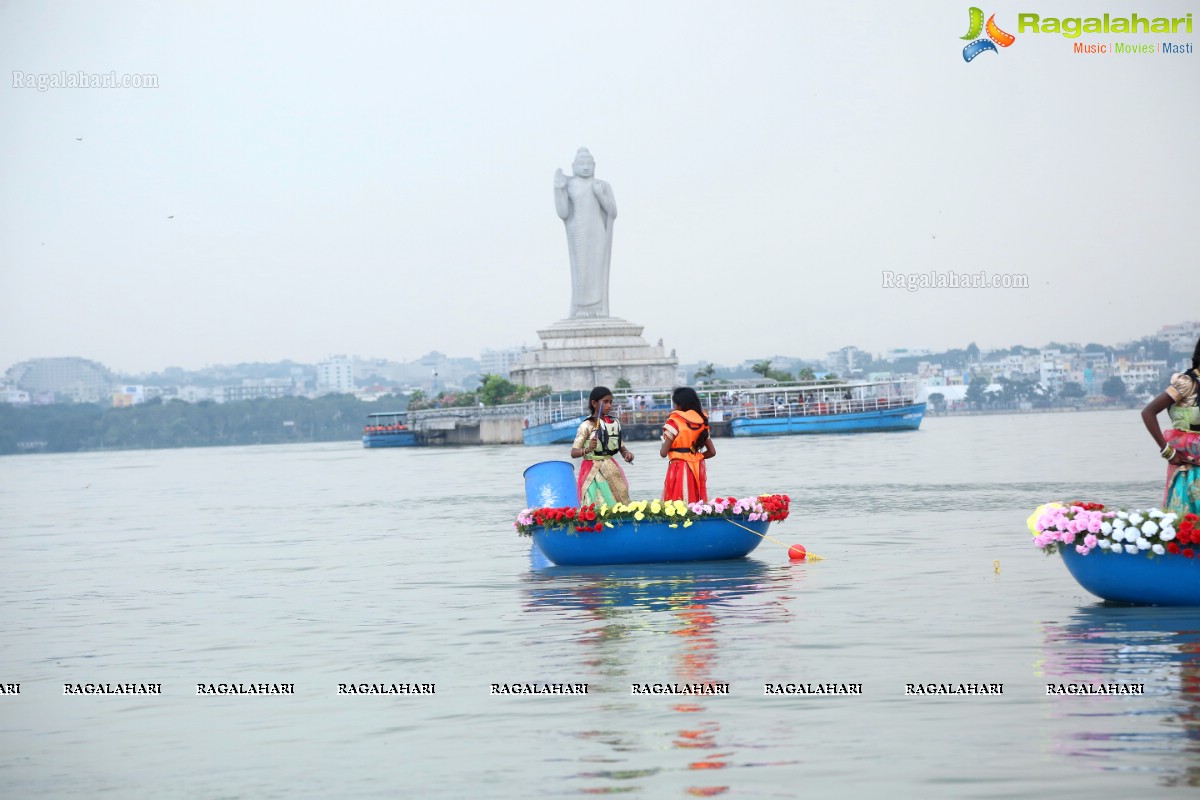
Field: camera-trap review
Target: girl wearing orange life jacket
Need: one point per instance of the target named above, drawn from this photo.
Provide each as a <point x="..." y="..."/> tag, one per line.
<point x="686" y="442"/>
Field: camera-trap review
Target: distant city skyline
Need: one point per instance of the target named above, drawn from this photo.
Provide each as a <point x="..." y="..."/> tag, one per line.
<point x="379" y="181"/>
<point x="1193" y="326"/>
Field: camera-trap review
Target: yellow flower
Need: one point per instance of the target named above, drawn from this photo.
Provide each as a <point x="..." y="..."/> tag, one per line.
<point x="680" y="507"/>
<point x="673" y="525"/>
<point x="639" y="516"/>
<point x="687" y="523"/>
<point x="669" y="510"/>
<point x="1032" y="521"/>
<point x="608" y="524"/>
<point x="655" y="508"/>
<point x="603" y="510"/>
<point x="640" y="505"/>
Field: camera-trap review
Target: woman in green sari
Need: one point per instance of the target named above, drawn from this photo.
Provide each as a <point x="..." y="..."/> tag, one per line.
<point x="597" y="442"/>
<point x="1179" y="444"/>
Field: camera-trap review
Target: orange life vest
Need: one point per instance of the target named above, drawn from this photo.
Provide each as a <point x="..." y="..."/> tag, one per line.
<point x="686" y="445"/>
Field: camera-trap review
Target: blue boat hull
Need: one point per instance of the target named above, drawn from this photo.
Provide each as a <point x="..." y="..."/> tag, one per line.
<point x="1169" y="580"/>
<point x="901" y="418"/>
<point x="630" y="542"/>
<point x="561" y="432"/>
<point x="391" y="439"/>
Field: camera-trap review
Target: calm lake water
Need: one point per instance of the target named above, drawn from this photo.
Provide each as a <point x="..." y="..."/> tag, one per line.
<point x="317" y="565"/>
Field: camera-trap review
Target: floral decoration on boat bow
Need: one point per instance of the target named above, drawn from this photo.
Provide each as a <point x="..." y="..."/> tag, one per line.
<point x="1088" y="526"/>
<point x="676" y="513"/>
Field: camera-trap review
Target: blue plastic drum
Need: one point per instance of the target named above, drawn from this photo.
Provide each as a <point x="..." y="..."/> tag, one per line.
<point x="551" y="484"/>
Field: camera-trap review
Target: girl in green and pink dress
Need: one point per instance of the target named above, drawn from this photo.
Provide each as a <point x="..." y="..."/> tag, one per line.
<point x="1179" y="444"/>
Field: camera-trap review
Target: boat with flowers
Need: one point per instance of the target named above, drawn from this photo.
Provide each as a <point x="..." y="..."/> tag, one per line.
<point x="1144" y="557"/>
<point x="389" y="429"/>
<point x="651" y="531"/>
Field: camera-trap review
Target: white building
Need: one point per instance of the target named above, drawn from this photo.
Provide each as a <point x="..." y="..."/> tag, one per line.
<point x="1182" y="336"/>
<point x="268" y="388"/>
<point x="498" y="362"/>
<point x="1138" y="372"/>
<point x="124" y="396"/>
<point x="336" y="375"/>
<point x="906" y="352"/>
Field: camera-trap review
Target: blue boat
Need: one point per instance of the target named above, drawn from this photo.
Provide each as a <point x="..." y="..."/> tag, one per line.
<point x="893" y="418"/>
<point x="1169" y="580"/>
<point x="826" y="408"/>
<point x="551" y="484"/>
<point x="389" y="429"/>
<point x="737" y="409"/>
<point x="554" y="420"/>
<point x="561" y="431"/>
<point x="629" y="542"/>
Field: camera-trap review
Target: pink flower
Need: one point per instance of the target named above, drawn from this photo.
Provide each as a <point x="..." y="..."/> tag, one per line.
<point x="1089" y="541"/>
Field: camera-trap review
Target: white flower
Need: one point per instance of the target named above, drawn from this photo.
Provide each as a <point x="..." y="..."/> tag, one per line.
<point x="1106" y="528"/>
<point x="1118" y="536"/>
<point x="1169" y="519"/>
<point x="1154" y="513"/>
<point x="1122" y="515"/>
<point x="1166" y="534"/>
<point x="1136" y="519"/>
<point x="1116" y="549"/>
<point x="1158" y="549"/>
<point x="1143" y="543"/>
<point x="1119" y="524"/>
<point x="1149" y="528"/>
<point x="1105" y="544"/>
<point x="1131" y="548"/>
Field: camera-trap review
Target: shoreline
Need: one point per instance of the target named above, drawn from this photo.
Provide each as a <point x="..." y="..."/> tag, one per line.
<point x="980" y="412"/>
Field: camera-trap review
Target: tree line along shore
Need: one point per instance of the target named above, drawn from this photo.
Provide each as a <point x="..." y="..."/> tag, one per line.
<point x="78" y="427"/>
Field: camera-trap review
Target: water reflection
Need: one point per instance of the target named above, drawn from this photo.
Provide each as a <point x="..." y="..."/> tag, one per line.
<point x="1158" y="647"/>
<point x="626" y="611"/>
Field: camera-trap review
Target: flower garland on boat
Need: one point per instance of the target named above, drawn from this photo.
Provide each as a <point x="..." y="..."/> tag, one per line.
<point x="1088" y="526"/>
<point x="773" y="507"/>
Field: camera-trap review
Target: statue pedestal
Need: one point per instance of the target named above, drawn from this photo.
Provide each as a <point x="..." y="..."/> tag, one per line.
<point x="579" y="353"/>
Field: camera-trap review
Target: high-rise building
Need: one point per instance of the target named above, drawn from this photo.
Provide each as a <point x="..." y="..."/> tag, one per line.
<point x="336" y="375"/>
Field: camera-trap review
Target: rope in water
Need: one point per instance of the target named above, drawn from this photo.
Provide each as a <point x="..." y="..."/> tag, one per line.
<point x="810" y="556"/>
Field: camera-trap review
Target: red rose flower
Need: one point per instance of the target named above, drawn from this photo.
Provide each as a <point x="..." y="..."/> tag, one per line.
<point x="1172" y="548"/>
<point x="1189" y="553"/>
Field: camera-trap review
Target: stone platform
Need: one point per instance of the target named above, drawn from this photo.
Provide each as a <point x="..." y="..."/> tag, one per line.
<point x="582" y="352"/>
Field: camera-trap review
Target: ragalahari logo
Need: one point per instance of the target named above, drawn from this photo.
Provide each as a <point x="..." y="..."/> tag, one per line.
<point x="995" y="36"/>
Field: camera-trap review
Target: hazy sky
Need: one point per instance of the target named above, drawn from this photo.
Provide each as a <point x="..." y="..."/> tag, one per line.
<point x="375" y="179"/>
